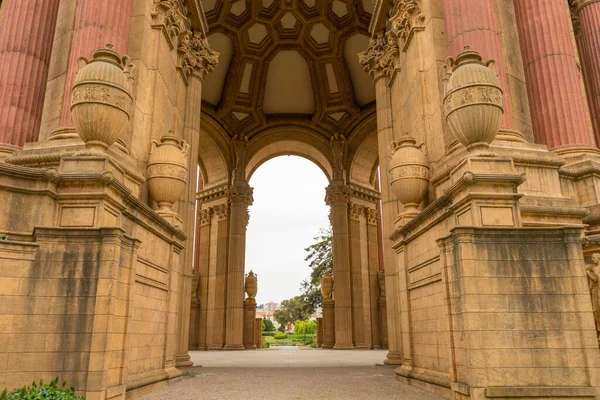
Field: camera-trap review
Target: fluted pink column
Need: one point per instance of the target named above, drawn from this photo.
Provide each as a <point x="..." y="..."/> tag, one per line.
<point x="97" y="23"/>
<point x="26" y="37"/>
<point x="474" y="23"/>
<point x="589" y="41"/>
<point x="555" y="95"/>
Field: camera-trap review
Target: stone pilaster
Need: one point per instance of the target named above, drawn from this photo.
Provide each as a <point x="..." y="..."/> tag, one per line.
<point x="240" y="197"/>
<point x="378" y="60"/>
<point x="555" y="94"/>
<point x="26" y="38"/>
<point x="587" y="32"/>
<point x="204" y="251"/>
<point x="337" y="197"/>
<point x="97" y="22"/>
<point x="372" y="230"/>
<point x="479" y="28"/>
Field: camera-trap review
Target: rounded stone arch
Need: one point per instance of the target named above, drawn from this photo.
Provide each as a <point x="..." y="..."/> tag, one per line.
<point x="214" y="158"/>
<point x="286" y="141"/>
<point x="363" y="154"/>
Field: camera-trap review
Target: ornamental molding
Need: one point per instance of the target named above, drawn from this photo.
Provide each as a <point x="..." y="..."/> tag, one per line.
<point x="406" y="18"/>
<point x="214" y="193"/>
<point x="360" y="192"/>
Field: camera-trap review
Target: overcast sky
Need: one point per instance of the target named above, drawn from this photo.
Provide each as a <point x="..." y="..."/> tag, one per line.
<point x="289" y="210"/>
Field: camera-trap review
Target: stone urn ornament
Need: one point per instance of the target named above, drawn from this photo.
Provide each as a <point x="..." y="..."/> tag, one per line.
<point x="101" y="102"/>
<point x="409" y="173"/>
<point x="474" y="102"/>
<point x="251" y="286"/>
<point x="327" y="285"/>
<point x="167" y="171"/>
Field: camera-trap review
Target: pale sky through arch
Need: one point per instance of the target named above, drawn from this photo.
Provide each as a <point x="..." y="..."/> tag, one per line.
<point x="289" y="210"/>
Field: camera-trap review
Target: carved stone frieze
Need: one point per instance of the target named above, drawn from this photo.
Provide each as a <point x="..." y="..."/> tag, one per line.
<point x="406" y="18"/>
<point x="213" y="193"/>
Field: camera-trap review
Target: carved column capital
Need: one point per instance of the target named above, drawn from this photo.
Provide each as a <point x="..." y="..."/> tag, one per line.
<point x="172" y="17"/>
<point x="241" y="193"/>
<point x="356" y="211"/>
<point x="194" y="55"/>
<point x="222" y="211"/>
<point x="406" y="18"/>
<point x="380" y="57"/>
<point x="372" y="216"/>
<point x="337" y="194"/>
<point x="205" y="216"/>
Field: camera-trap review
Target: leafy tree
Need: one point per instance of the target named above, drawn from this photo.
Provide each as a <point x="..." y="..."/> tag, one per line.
<point x="292" y="310"/>
<point x="305" y="328"/>
<point x="267" y="325"/>
<point x="320" y="258"/>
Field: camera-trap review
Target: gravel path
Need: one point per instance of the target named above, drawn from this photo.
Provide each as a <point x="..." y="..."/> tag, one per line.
<point x="289" y="383"/>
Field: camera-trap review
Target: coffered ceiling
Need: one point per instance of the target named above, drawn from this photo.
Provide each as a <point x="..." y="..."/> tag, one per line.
<point x="288" y="62"/>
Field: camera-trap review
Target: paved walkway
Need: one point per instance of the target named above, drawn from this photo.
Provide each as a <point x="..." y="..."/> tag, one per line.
<point x="289" y="373"/>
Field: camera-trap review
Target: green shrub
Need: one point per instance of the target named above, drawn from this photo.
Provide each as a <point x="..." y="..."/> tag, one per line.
<point x="281" y="328"/>
<point x="266" y="345"/>
<point x="280" y="336"/>
<point x="307" y="341"/>
<point x="3" y="237"/>
<point x="305" y="327"/>
<point x="41" y="391"/>
<point x="268" y="333"/>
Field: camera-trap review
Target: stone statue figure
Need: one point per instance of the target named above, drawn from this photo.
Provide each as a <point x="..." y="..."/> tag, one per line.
<point x="593" y="274"/>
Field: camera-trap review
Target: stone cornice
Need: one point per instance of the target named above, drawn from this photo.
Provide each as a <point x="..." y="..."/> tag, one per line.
<point x="360" y="192"/>
<point x="214" y="193"/>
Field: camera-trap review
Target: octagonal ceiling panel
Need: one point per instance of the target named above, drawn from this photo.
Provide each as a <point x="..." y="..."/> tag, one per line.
<point x="284" y="60"/>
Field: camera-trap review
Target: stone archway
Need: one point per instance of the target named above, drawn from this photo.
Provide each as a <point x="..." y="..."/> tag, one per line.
<point x="217" y="323"/>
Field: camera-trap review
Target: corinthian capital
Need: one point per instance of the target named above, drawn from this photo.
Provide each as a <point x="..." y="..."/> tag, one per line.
<point x="380" y="57"/>
<point x="194" y="55"/>
<point x="337" y="194"/>
<point x="406" y="18"/>
<point x="172" y="17"/>
<point x="241" y="193"/>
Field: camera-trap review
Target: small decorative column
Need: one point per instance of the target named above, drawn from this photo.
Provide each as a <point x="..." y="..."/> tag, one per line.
<point x="251" y="288"/>
<point x="319" y="332"/>
<point x="555" y="94"/>
<point x="26" y="38"/>
<point x="240" y="197"/>
<point x="588" y="39"/>
<point x="477" y="26"/>
<point x="97" y="22"/>
<point x="258" y="332"/>
<point x="328" y="312"/>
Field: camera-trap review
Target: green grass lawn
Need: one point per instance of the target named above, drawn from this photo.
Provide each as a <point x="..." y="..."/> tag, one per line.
<point x="291" y="340"/>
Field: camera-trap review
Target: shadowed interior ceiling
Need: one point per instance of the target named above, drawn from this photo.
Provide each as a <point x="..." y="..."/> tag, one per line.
<point x="288" y="62"/>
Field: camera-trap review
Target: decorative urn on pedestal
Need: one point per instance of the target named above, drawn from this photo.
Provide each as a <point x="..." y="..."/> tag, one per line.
<point x="409" y="173"/>
<point x="251" y="286"/>
<point x="101" y="101"/>
<point x="473" y="103"/>
<point x="167" y="171"/>
<point x="327" y="285"/>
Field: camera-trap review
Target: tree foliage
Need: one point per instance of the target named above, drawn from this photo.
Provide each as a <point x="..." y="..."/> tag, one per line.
<point x="320" y="258"/>
<point x="267" y="325"/>
<point x="291" y="310"/>
<point x="305" y="327"/>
